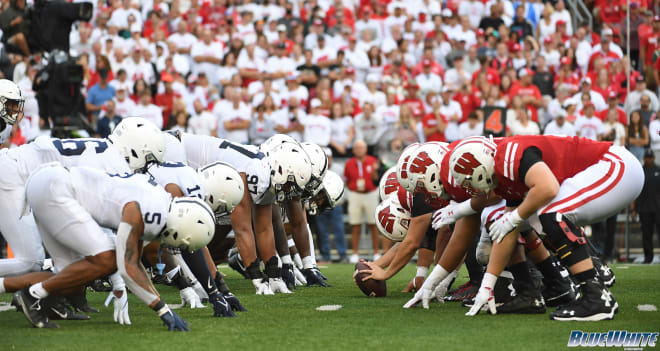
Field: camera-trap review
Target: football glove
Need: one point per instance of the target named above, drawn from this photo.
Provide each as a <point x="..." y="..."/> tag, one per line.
<point x="300" y="277"/>
<point x="121" y="306"/>
<point x="314" y="277"/>
<point x="190" y="298"/>
<point x="288" y="276"/>
<point x="232" y="300"/>
<point x="172" y="321"/>
<point x="484" y="296"/>
<point x="441" y="290"/>
<point x="425" y="293"/>
<point x="504" y="225"/>
<point x="277" y="285"/>
<point x="451" y="213"/>
<point x="221" y="307"/>
<point x="262" y="286"/>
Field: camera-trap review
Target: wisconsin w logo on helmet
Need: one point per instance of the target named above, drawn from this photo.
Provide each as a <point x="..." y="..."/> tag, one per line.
<point x="420" y="163"/>
<point x="466" y="164"/>
<point x="386" y="219"/>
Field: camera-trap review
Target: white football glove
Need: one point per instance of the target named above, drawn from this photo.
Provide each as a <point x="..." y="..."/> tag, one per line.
<point x="441" y="290"/>
<point x="485" y="296"/>
<point x="190" y="298"/>
<point x="425" y="293"/>
<point x="300" y="277"/>
<point x="277" y="285"/>
<point x="451" y="213"/>
<point x="199" y="290"/>
<point x="262" y="287"/>
<point x="121" y="306"/>
<point x="504" y="225"/>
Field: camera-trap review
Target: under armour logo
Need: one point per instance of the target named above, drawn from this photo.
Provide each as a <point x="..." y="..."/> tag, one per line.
<point x="607" y="297"/>
<point x="606" y="270"/>
<point x="538" y="302"/>
<point x="571" y="313"/>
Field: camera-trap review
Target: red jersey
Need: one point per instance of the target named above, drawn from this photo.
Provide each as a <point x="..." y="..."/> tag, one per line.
<point x="500" y="65"/>
<point x="492" y="76"/>
<point x="430" y="121"/>
<point x="572" y="81"/>
<point x="436" y="68"/>
<point x="608" y="57"/>
<point x="355" y="170"/>
<point x="468" y="103"/>
<point x="530" y="90"/>
<point x="611" y="11"/>
<point x="651" y="44"/>
<point x="417" y="106"/>
<point x="565" y="156"/>
<point x="623" y="119"/>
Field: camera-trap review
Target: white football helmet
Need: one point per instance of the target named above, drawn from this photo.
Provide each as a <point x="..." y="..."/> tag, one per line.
<point x="140" y="141"/>
<point x="424" y="169"/>
<point x="274" y="141"/>
<point x="223" y="186"/>
<point x="472" y="164"/>
<point x="290" y="170"/>
<point x="190" y="224"/>
<point x="392" y="220"/>
<point x="327" y="196"/>
<point x="319" y="164"/>
<point x="11" y="101"/>
<point x="388" y="184"/>
<point x="402" y="166"/>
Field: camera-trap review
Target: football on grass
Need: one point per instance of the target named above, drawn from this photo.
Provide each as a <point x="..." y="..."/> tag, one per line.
<point x="370" y="287"/>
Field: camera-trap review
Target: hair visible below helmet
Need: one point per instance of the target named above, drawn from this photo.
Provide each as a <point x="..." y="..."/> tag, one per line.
<point x="402" y="166"/>
<point x="190" y="224"/>
<point x="275" y="141"/>
<point x="223" y="186"/>
<point x="11" y="101"/>
<point x="319" y="164"/>
<point x="388" y="184"/>
<point x="140" y="141"/>
<point x="472" y="164"/>
<point x="392" y="220"/>
<point x="424" y="169"/>
<point x="328" y="195"/>
<point x="290" y="170"/>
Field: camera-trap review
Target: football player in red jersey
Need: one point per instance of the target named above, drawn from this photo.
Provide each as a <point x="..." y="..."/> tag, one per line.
<point x="558" y="183"/>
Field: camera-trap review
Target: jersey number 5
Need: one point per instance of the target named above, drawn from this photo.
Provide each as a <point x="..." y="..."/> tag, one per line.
<point x="75" y="147"/>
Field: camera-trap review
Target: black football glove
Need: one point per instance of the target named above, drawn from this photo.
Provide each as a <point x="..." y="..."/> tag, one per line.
<point x="173" y="322"/>
<point x="221" y="307"/>
<point x="314" y="277"/>
<point x="288" y="276"/>
<point x="232" y="300"/>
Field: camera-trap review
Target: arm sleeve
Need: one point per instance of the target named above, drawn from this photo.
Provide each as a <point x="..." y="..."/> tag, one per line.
<point x="420" y="207"/>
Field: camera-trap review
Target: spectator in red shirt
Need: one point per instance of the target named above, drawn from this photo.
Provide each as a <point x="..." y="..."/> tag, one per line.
<point x="166" y="99"/>
<point x="530" y="94"/>
<point x="361" y="174"/>
<point x="413" y="100"/>
<point x="610" y="11"/>
<point x="612" y="104"/>
<point x="492" y="75"/>
<point x="434" y="123"/>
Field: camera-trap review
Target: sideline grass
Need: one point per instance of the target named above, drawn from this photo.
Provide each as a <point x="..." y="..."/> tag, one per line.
<point x="291" y="322"/>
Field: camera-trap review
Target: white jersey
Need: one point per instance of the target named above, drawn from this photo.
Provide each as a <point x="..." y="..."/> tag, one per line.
<point x="199" y="150"/>
<point x="104" y="196"/>
<point x="179" y="174"/>
<point x="89" y="152"/>
<point x="5" y="133"/>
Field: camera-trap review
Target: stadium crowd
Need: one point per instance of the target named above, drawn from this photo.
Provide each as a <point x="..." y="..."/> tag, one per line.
<point x="335" y="72"/>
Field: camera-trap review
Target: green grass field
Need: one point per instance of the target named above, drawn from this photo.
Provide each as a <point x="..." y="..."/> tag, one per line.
<point x="292" y="322"/>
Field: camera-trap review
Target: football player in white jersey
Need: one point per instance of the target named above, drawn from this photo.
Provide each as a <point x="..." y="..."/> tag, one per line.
<point x="263" y="187"/>
<point x="71" y="205"/>
<point x="11" y="107"/>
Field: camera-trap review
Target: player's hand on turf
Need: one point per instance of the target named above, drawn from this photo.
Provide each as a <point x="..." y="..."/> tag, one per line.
<point x="320" y="273"/>
<point x="504" y="225"/>
<point x="277" y="285"/>
<point x="440" y="291"/>
<point x="190" y="298"/>
<point x="423" y="295"/>
<point x="120" y="302"/>
<point x="232" y="300"/>
<point x="314" y="277"/>
<point x="486" y="297"/>
<point x="221" y="307"/>
<point x="288" y="276"/>
<point x="415" y="283"/>
<point x="451" y="213"/>
<point x="376" y="272"/>
<point x="173" y="322"/>
<point x="300" y="277"/>
<point x="262" y="286"/>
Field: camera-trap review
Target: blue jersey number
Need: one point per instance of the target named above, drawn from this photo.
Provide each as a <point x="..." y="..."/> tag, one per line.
<point x="152" y="217"/>
<point x="75" y="147"/>
<point x="227" y="144"/>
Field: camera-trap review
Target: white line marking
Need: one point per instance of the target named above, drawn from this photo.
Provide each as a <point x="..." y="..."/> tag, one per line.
<point x="329" y="308"/>
<point x="647" y="308"/>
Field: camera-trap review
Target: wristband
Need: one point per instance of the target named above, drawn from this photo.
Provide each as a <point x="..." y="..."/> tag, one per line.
<point x="161" y="308"/>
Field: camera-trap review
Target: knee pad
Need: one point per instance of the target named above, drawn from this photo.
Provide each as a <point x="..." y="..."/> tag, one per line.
<point x="564" y="238"/>
<point x="482" y="254"/>
<point x="531" y="241"/>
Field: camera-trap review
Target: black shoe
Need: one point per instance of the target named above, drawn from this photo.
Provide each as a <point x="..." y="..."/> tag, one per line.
<point x="60" y="310"/>
<point x="14" y="302"/>
<point x="161" y="279"/>
<point x="466" y="291"/>
<point x="596" y="303"/>
<point x="527" y="302"/>
<point x="503" y="291"/>
<point x="558" y="292"/>
<point x="100" y="285"/>
<point x="34" y="309"/>
<point x="237" y="264"/>
<point x="79" y="304"/>
<point x="605" y="273"/>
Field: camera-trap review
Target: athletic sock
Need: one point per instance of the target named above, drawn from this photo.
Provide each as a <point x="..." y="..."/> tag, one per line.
<point x="196" y="261"/>
<point x="550" y="268"/>
<point x="38" y="292"/>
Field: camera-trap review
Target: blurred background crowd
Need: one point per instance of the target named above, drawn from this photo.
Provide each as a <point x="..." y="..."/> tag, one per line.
<point x="363" y="78"/>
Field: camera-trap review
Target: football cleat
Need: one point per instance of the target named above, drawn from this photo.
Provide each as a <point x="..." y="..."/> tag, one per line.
<point x="528" y="300"/>
<point x="35" y="310"/>
<point x="558" y="292"/>
<point x="100" y="285"/>
<point x="79" y="304"/>
<point x="466" y="291"/>
<point x="605" y="273"/>
<point x="596" y="303"/>
<point x="237" y="264"/>
<point x="60" y="310"/>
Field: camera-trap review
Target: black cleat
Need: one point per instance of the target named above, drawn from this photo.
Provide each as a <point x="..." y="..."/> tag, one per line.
<point x="596" y="303"/>
<point x="100" y="285"/>
<point x="527" y="302"/>
<point x="605" y="273"/>
<point x="237" y="264"/>
<point x="79" y="304"/>
<point x="466" y="291"/>
<point x="503" y="291"/>
<point x="558" y="292"/>
<point x="61" y="310"/>
<point x="34" y="309"/>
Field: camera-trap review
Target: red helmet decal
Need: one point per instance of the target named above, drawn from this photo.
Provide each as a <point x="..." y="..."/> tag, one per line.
<point x="391" y="184"/>
<point x="386" y="219"/>
<point x="466" y="164"/>
<point x="420" y="163"/>
<point x="404" y="168"/>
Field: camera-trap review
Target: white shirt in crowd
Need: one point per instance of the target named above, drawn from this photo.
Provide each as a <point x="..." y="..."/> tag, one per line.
<point x="151" y="112"/>
<point x="203" y="123"/>
<point x="339" y="128"/>
<point x="125" y="107"/>
<point x="317" y="129"/>
<point x="588" y="128"/>
<point x="213" y="49"/>
<point x="517" y="128"/>
<point x="465" y="131"/>
<point x="368" y="130"/>
<point x="565" y="129"/>
<point x="619" y="132"/>
<point x="226" y="112"/>
<point x="654" y="134"/>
